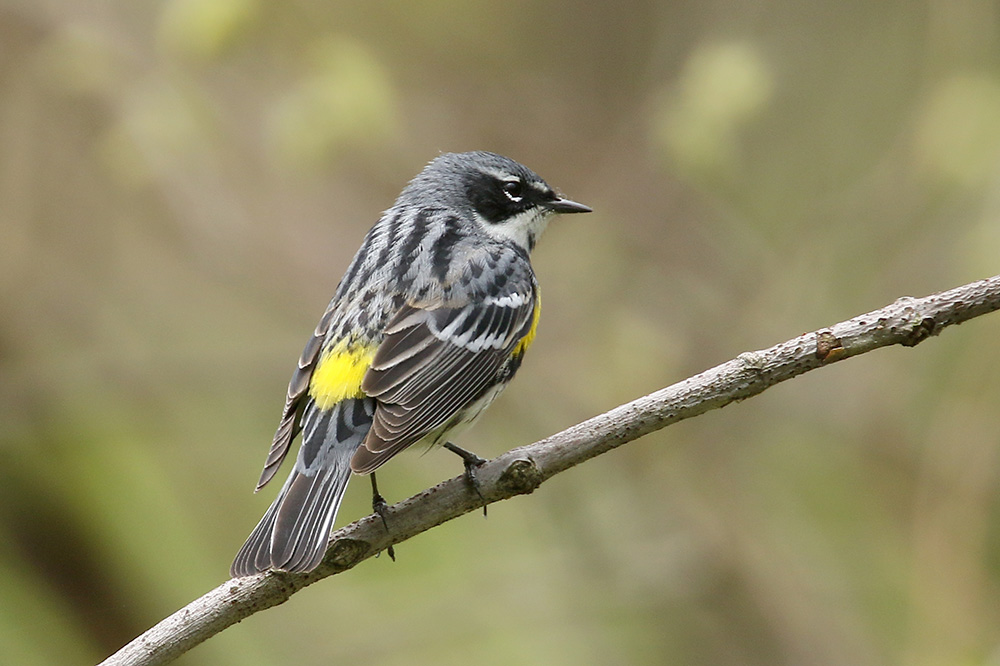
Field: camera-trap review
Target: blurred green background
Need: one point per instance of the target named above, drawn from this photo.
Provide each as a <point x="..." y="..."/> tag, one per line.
<point x="182" y="184"/>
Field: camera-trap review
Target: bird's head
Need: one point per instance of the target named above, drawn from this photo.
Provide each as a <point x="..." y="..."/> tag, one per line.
<point x="504" y="199"/>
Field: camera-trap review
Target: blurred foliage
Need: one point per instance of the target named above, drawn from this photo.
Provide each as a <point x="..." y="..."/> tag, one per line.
<point x="183" y="183"/>
<point x="722" y="87"/>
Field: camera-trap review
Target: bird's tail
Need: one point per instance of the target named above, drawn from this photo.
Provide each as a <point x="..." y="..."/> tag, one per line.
<point x="293" y="534"/>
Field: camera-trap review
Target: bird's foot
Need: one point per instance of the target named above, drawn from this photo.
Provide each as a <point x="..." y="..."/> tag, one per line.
<point x="381" y="507"/>
<point x="472" y="463"/>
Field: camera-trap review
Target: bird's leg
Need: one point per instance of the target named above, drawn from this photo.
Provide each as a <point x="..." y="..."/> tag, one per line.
<point x="472" y="462"/>
<point x="380" y="506"/>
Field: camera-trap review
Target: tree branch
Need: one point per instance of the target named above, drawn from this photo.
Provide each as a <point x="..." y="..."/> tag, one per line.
<point x="907" y="322"/>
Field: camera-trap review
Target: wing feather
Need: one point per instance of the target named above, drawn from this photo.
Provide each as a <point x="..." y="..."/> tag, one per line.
<point x="433" y="363"/>
<point x="289" y="425"/>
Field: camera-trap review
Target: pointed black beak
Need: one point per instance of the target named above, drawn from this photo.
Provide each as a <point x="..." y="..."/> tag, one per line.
<point x="561" y="205"/>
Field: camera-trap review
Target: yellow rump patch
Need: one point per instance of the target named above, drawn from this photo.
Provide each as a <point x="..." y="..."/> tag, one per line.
<point x="339" y="373"/>
<point x="526" y="341"/>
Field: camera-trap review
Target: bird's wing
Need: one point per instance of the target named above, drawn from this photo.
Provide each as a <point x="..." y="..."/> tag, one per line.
<point x="295" y="399"/>
<point x="435" y="361"/>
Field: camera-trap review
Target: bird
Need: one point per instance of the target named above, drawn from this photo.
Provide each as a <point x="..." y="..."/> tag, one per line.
<point x="428" y="325"/>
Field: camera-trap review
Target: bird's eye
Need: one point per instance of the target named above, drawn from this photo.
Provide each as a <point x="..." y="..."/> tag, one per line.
<point x="514" y="189"/>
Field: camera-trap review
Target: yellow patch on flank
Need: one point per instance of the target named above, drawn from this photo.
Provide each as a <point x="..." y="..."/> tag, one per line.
<point x="530" y="337"/>
<point x="339" y="373"/>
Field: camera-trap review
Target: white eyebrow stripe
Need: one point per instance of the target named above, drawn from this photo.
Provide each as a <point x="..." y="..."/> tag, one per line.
<point x="499" y="174"/>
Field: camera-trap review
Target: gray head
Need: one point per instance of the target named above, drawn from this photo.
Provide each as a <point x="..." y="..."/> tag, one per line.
<point x="505" y="199"/>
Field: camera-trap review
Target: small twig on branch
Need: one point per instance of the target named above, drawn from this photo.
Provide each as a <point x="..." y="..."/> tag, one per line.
<point x="906" y="322"/>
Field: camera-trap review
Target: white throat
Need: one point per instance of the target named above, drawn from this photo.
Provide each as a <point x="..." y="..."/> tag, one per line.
<point x="523" y="229"/>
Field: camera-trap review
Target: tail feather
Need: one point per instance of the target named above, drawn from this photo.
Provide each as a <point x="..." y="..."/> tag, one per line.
<point x="293" y="534"/>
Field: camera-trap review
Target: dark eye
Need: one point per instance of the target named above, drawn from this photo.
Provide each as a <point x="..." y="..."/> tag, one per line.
<point x="514" y="189"/>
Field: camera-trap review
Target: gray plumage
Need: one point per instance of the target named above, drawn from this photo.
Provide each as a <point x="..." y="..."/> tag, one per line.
<point x="443" y="294"/>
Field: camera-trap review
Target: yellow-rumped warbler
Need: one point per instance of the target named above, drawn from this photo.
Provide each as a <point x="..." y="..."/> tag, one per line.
<point x="427" y="327"/>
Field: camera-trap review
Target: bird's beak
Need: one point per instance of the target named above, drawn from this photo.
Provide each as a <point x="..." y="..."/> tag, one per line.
<point x="561" y="205"/>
